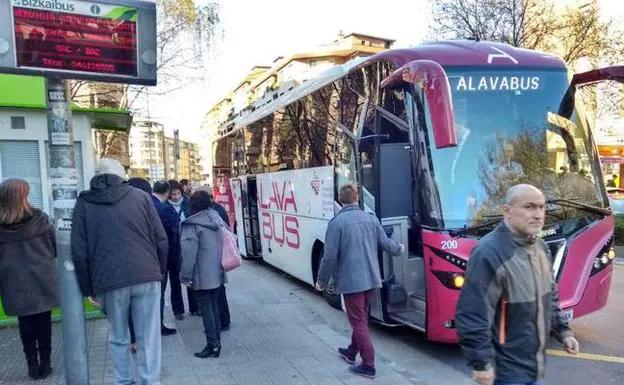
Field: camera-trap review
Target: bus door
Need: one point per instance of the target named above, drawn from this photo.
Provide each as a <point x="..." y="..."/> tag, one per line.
<point x="251" y="225"/>
<point x="402" y="298"/>
<point x="238" y="226"/>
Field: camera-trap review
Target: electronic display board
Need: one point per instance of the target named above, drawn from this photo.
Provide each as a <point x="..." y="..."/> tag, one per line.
<point x="105" y="40"/>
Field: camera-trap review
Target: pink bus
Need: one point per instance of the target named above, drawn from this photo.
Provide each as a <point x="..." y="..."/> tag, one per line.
<point x="434" y="136"/>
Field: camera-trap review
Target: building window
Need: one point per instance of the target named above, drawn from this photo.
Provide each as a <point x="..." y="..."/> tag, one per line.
<point x="18" y="122"/>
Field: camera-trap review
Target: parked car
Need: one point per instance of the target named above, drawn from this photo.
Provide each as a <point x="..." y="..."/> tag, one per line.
<point x="616" y="200"/>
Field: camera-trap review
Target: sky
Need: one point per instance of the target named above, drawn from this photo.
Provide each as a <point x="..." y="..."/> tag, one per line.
<point x="256" y="32"/>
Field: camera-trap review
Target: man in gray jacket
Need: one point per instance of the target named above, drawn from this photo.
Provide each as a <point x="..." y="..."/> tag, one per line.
<point x="350" y="258"/>
<point x="509" y="305"/>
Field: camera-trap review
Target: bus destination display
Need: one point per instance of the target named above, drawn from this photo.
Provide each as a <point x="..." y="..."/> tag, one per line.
<point x="84" y="37"/>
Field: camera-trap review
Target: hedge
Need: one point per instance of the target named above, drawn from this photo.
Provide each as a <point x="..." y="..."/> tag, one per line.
<point x="619" y="230"/>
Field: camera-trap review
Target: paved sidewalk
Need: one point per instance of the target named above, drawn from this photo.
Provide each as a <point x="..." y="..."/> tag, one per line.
<point x="275" y="339"/>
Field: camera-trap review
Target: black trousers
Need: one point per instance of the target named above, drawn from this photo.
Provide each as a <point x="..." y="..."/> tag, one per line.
<point x="177" y="302"/>
<point x="224" y="308"/>
<point x="207" y="301"/>
<point x="36" y="335"/>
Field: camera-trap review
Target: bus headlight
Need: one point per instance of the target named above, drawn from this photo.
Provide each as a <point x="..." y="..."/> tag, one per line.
<point x="597" y="264"/>
<point x="604" y="259"/>
<point x="458" y="281"/>
<point x="452" y="280"/>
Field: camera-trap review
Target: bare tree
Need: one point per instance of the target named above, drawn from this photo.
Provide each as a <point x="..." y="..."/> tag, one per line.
<point x="186" y="33"/>
<point x="573" y="33"/>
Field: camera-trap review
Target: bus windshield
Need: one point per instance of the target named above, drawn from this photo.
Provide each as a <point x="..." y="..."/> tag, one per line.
<point x="509" y="131"/>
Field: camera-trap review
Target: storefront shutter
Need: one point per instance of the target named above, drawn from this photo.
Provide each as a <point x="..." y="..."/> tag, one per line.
<point x="20" y="159"/>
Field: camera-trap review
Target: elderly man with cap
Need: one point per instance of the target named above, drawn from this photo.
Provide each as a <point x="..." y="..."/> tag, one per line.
<point x="119" y="250"/>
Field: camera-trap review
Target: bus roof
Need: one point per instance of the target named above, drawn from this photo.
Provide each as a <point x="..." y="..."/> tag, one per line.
<point x="445" y="53"/>
<point x="472" y="53"/>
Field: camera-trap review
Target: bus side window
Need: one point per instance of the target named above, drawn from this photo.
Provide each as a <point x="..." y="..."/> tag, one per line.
<point x="344" y="161"/>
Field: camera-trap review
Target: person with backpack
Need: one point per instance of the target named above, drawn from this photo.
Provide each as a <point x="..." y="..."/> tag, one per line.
<point x="202" y="270"/>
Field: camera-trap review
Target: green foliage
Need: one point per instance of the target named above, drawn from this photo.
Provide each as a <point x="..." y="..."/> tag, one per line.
<point x="619" y="230"/>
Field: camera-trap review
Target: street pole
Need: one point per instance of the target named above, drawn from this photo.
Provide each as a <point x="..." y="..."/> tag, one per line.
<point x="176" y="152"/>
<point x="64" y="188"/>
<point x="164" y="152"/>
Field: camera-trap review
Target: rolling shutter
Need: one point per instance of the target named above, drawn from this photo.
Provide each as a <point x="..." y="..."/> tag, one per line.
<point x="20" y="159"/>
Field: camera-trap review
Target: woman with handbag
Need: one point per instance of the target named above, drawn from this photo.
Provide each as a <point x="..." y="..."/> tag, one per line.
<point x="202" y="271"/>
<point x="29" y="283"/>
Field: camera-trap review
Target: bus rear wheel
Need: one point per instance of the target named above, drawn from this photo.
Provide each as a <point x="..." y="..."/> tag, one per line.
<point x="334" y="300"/>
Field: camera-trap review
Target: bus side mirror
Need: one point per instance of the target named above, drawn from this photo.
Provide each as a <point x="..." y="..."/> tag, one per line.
<point x="615" y="73"/>
<point x="431" y="76"/>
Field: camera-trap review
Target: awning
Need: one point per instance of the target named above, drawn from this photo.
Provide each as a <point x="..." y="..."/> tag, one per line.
<point x="108" y="119"/>
<point x="29" y="92"/>
<point x="612" y="159"/>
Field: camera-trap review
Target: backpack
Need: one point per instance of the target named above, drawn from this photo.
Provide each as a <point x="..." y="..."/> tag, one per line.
<point x="231" y="257"/>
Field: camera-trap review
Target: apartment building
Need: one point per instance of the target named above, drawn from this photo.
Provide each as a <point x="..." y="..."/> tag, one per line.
<point x="286" y="72"/>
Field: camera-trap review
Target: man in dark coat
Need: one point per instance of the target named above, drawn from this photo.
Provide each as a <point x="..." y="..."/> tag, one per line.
<point x="119" y="250"/>
<point x="171" y="222"/>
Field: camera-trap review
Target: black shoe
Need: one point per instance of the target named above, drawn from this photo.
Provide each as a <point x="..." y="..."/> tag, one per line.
<point x="179" y="317"/>
<point x="347" y="355"/>
<point x="165" y="331"/>
<point x="363" y="370"/>
<point x="45" y="369"/>
<point x="196" y="314"/>
<point x="33" y="368"/>
<point x="225" y="328"/>
<point x="209" y="351"/>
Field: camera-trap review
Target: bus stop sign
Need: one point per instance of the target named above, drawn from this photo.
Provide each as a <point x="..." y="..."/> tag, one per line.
<point x="107" y="40"/>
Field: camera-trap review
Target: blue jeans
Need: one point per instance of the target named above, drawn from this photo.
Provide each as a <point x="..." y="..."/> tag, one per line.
<point x="143" y="300"/>
<point x="514" y="383"/>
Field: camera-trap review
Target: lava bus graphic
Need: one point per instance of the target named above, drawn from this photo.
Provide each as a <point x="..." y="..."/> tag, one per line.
<point x="433" y="136"/>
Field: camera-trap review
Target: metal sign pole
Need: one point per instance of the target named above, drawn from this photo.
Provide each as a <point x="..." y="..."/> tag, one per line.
<point x="64" y="189"/>
<point x="176" y="152"/>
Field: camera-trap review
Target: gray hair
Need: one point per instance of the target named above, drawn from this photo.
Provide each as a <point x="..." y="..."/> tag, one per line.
<point x="110" y="166"/>
<point x="348" y="194"/>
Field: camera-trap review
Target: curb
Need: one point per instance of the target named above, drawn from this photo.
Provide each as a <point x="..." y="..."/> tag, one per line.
<point x="618" y="261"/>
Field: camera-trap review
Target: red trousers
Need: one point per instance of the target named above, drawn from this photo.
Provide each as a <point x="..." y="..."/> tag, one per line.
<point x="357" y="305"/>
